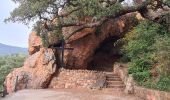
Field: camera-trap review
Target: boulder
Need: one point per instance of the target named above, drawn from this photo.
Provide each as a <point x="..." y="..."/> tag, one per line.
<point x="36" y="73"/>
<point x="87" y="41"/>
<point x="34" y="43"/>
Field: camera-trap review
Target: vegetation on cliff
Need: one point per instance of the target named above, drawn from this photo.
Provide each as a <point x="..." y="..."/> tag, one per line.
<point x="148" y="49"/>
<point x="8" y="63"/>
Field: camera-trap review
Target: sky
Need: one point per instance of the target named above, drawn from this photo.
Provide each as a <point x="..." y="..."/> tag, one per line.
<point x="14" y="34"/>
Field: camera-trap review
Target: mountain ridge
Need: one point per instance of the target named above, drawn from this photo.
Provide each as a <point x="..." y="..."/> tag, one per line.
<point x="8" y="50"/>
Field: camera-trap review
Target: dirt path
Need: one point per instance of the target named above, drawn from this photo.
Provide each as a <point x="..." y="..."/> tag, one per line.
<point x="68" y="94"/>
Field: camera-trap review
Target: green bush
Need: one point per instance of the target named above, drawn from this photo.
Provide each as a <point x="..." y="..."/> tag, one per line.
<point x="147" y="46"/>
<point x="139" y="65"/>
<point x="141" y="39"/>
<point x="8" y="63"/>
<point x="140" y="50"/>
<point x="141" y="77"/>
<point x="163" y="83"/>
<point x="163" y="54"/>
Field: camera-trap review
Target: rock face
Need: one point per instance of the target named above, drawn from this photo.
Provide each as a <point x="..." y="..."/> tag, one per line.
<point x="41" y="65"/>
<point x="88" y="40"/>
<point x="36" y="72"/>
<point x="34" y="43"/>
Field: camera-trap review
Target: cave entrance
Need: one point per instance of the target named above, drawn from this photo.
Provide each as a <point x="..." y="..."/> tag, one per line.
<point x="105" y="56"/>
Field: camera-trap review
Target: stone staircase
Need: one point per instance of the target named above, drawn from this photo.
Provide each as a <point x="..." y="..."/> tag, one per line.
<point x="114" y="82"/>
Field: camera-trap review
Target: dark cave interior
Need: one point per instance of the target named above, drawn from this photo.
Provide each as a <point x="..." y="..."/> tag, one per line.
<point x="105" y="56"/>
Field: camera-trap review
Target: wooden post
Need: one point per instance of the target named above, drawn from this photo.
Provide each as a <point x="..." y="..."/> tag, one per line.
<point x="16" y="82"/>
<point x="62" y="48"/>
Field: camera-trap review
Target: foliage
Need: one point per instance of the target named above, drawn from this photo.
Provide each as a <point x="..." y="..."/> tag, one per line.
<point x="163" y="54"/>
<point x="139" y="65"/>
<point x="30" y="10"/>
<point x="141" y="39"/>
<point x="148" y="45"/>
<point x="139" y="49"/>
<point x="8" y="63"/>
<point x="163" y="83"/>
<point x="51" y="16"/>
<point x="167" y="2"/>
<point x="142" y="76"/>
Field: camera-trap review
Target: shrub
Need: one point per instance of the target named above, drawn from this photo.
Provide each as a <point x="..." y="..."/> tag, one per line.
<point x="163" y="83"/>
<point x="139" y="65"/>
<point x="141" y="77"/>
<point x="148" y="45"/>
<point x="141" y="39"/>
<point x="140" y="49"/>
<point x="163" y="54"/>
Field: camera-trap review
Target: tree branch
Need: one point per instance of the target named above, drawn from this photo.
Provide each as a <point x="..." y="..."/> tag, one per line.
<point x="69" y="13"/>
<point x="123" y="11"/>
<point x="89" y="25"/>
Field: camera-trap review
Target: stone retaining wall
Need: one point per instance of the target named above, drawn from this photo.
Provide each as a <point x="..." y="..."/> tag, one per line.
<point x="122" y="71"/>
<point x="132" y="88"/>
<point x="149" y="94"/>
<point x="78" y="79"/>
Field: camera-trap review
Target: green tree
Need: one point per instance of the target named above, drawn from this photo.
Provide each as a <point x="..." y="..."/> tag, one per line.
<point x="54" y="15"/>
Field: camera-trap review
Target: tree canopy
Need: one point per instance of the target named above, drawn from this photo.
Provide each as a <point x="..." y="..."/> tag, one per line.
<point x="53" y="15"/>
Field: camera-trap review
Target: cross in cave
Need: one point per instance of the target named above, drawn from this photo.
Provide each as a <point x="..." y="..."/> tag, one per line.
<point x="62" y="49"/>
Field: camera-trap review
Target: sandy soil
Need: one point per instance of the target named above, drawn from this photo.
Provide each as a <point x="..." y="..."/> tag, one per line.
<point x="68" y="94"/>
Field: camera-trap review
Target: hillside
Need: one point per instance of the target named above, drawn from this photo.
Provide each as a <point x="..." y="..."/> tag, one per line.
<point x="6" y="49"/>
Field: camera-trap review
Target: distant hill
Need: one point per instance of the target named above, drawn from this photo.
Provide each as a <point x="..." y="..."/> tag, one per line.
<point x="7" y="50"/>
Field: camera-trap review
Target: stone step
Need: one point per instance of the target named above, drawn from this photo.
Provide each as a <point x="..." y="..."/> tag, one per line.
<point x="108" y="72"/>
<point x="115" y="82"/>
<point x="113" y="79"/>
<point x="113" y="89"/>
<point x="111" y="75"/>
<point x="116" y="86"/>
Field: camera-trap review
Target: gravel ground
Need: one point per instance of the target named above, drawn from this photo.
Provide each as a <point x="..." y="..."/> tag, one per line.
<point x="68" y="94"/>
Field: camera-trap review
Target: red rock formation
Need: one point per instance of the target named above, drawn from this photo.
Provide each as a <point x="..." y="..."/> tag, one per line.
<point x="40" y="66"/>
<point x="36" y="72"/>
<point x="87" y="41"/>
<point x="34" y="43"/>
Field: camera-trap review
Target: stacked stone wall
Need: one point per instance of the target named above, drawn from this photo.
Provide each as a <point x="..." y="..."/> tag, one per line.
<point x="149" y="94"/>
<point x="78" y="79"/>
